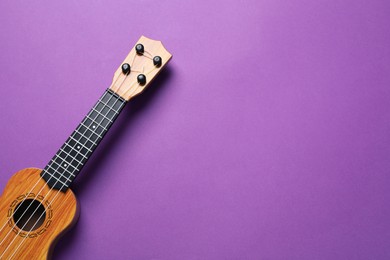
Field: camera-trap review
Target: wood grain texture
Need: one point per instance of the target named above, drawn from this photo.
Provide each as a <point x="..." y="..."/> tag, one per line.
<point x="127" y="86"/>
<point x="61" y="214"/>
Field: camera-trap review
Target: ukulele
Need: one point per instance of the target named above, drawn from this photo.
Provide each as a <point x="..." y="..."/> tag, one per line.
<point x="37" y="206"/>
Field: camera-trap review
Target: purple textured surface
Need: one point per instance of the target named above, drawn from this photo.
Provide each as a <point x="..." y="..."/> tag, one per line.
<point x="268" y="137"/>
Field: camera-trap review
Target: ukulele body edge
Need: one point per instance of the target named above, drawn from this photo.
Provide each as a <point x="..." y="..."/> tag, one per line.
<point x="33" y="235"/>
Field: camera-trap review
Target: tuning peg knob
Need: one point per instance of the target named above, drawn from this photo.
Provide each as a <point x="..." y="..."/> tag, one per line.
<point x="126" y="68"/>
<point x="139" y="48"/>
<point x="157" y="61"/>
<point x="141" y="78"/>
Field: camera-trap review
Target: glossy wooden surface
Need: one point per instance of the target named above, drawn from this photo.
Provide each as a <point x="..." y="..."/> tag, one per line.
<point x="61" y="213"/>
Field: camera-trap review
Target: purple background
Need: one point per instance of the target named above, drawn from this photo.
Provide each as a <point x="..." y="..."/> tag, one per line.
<point x="268" y="137"/>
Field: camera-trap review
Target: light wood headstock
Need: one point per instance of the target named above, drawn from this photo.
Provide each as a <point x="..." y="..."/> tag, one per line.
<point x="140" y="67"/>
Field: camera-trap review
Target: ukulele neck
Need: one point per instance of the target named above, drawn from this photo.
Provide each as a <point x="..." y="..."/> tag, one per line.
<point x="67" y="163"/>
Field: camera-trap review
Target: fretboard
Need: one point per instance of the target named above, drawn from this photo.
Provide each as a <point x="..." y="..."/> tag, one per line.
<point x="64" y="167"/>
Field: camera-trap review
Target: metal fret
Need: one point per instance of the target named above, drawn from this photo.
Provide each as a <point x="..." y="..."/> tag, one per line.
<point x="104" y="117"/>
<point x="93" y="120"/>
<point x="88" y="129"/>
<point x="83" y="136"/>
<point x="110" y="108"/>
<point x="60" y="174"/>
<point x="77" y="151"/>
<point x="60" y="166"/>
<point x="58" y="180"/>
<point x="71" y="137"/>
<point x="71" y="157"/>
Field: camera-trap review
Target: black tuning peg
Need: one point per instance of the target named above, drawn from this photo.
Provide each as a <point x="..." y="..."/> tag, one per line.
<point x="157" y="61"/>
<point x="139" y="48"/>
<point x="126" y="68"/>
<point x="141" y="78"/>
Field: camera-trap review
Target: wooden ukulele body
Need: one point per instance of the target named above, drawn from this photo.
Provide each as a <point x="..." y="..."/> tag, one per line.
<point x="60" y="213"/>
<point x="26" y="234"/>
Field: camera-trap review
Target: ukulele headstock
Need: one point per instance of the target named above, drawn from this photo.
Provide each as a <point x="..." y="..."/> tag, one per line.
<point x="141" y="66"/>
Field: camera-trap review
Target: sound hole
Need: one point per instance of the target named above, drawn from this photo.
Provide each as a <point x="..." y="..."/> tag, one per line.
<point x="29" y="215"/>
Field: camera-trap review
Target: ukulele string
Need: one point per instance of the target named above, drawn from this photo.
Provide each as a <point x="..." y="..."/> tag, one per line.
<point x="72" y="161"/>
<point x="1" y="229"/>
<point x="45" y="197"/>
<point x="124" y="79"/>
<point x="57" y="181"/>
<point x="142" y="71"/>
<point x="61" y="175"/>
<point x="14" y="252"/>
<point x="51" y="176"/>
<point x="139" y="72"/>
<point x="151" y="55"/>
<point x="135" y="89"/>
<point x="54" y="196"/>
<point x="23" y="215"/>
<point x="41" y="177"/>
<point x="57" y="168"/>
<point x="9" y="232"/>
